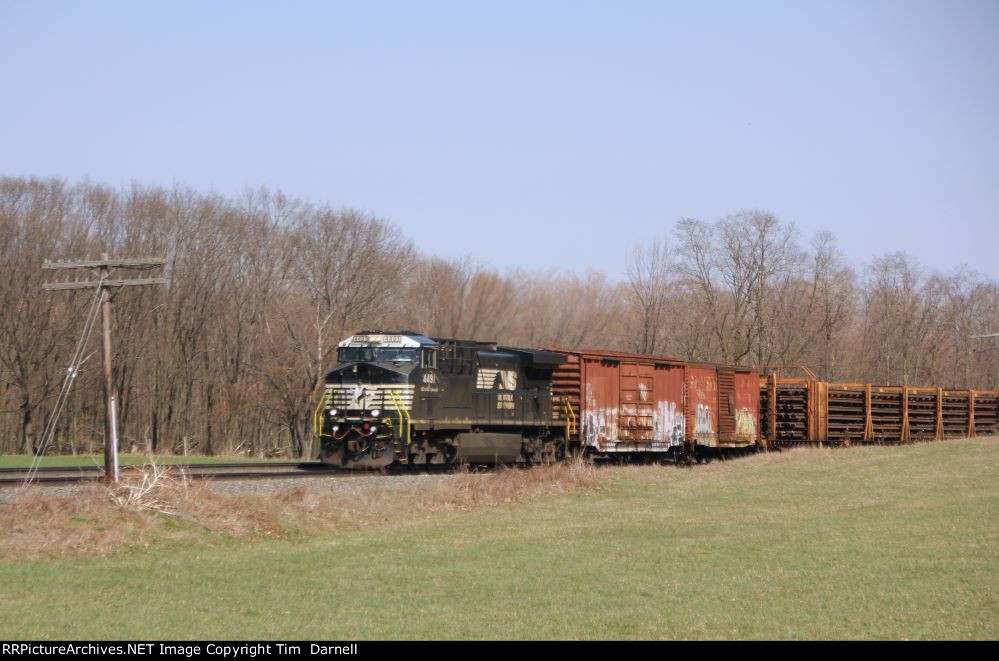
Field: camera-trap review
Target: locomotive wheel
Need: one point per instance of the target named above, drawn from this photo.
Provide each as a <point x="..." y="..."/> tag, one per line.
<point x="553" y="452"/>
<point x="533" y="451"/>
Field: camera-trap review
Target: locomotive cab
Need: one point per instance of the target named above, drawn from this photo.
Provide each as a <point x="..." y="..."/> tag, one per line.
<point x="368" y="399"/>
<point x="409" y="399"/>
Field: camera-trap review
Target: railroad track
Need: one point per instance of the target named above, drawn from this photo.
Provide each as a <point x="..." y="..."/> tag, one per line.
<point x="63" y="475"/>
<point x="55" y="475"/>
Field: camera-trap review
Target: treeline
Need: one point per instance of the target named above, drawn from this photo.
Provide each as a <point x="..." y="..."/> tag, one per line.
<point x="230" y="356"/>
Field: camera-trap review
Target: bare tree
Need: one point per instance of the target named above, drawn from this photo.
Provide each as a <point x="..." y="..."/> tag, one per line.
<point x="349" y="270"/>
<point x="230" y="356"/>
<point x="568" y="310"/>
<point x="903" y="320"/>
<point x="738" y="270"/>
<point x="652" y="284"/>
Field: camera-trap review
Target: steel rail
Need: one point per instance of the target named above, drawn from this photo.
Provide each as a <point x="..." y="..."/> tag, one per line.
<point x="195" y="472"/>
<point x="97" y="467"/>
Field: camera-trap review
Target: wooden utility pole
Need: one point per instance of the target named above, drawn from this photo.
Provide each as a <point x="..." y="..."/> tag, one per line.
<point x="103" y="268"/>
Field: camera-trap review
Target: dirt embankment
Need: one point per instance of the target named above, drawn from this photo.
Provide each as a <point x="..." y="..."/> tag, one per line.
<point x="155" y="507"/>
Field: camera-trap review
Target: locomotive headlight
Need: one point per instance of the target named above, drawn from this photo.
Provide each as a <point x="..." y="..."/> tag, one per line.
<point x="375" y="413"/>
<point x="374" y="428"/>
<point x="333" y="412"/>
<point x="336" y="428"/>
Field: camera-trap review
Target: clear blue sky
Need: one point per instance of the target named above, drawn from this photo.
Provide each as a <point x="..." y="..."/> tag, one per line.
<point x="521" y="131"/>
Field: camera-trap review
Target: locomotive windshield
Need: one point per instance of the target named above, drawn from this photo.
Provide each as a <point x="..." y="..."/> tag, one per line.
<point x="377" y="354"/>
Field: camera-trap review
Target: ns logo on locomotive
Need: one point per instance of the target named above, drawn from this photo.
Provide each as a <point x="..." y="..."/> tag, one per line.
<point x="409" y="399"/>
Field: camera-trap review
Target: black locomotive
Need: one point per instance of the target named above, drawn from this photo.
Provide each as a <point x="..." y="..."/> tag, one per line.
<point x="409" y="399"/>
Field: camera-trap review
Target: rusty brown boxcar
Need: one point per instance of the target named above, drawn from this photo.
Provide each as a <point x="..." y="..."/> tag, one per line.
<point x="616" y="402"/>
<point x="723" y="405"/>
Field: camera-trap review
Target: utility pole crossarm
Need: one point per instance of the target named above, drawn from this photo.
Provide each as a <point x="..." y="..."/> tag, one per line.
<point x="91" y="284"/>
<point x="144" y="262"/>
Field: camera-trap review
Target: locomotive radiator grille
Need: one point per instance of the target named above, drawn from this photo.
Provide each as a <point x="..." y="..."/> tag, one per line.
<point x="371" y="396"/>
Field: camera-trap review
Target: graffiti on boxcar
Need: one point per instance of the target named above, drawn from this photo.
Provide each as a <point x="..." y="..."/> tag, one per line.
<point x="598" y="425"/>
<point x="745" y="424"/>
<point x="667" y="423"/>
<point x="703" y="384"/>
<point x="704" y="424"/>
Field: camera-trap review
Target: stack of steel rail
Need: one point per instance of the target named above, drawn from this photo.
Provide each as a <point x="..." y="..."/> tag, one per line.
<point x="808" y="410"/>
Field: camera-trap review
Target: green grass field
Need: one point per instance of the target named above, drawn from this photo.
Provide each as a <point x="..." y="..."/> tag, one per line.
<point x="72" y="461"/>
<point x="899" y="543"/>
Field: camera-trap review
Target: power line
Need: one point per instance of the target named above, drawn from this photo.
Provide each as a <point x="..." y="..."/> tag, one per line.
<point x="67" y="385"/>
